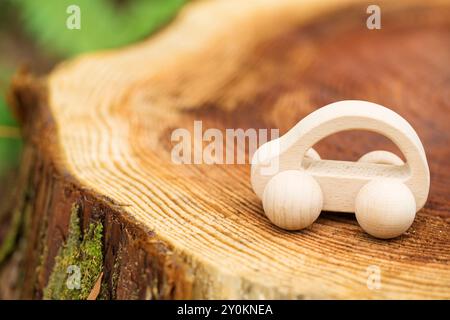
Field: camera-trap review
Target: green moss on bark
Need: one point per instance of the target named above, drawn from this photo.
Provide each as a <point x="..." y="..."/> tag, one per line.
<point x="79" y="262"/>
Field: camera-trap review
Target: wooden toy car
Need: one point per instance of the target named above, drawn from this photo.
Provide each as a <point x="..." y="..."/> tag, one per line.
<point x="385" y="193"/>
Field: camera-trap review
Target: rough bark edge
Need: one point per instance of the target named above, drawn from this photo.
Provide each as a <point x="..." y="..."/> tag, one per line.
<point x="135" y="264"/>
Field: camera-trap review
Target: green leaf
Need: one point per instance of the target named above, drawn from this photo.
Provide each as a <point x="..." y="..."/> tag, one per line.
<point x="103" y="24"/>
<point x="10" y="147"/>
<point x="6" y="118"/>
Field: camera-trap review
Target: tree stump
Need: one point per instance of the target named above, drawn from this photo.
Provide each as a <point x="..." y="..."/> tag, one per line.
<point x="98" y="188"/>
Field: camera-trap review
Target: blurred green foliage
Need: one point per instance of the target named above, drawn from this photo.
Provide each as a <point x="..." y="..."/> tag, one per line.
<point x="9" y="146"/>
<point x="104" y="24"/>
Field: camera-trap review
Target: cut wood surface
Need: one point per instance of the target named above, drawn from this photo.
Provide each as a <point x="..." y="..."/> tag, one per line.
<point x="104" y="126"/>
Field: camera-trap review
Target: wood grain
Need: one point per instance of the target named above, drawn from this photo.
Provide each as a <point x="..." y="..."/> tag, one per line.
<point x="261" y="64"/>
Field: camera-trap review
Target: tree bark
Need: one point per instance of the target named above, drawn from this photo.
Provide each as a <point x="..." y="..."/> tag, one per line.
<point x="97" y="158"/>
